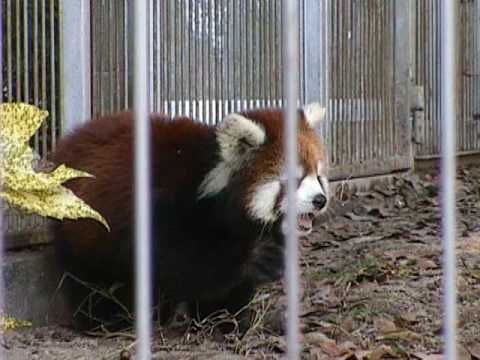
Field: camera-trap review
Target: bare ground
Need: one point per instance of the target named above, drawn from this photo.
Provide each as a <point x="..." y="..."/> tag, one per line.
<point x="371" y="289"/>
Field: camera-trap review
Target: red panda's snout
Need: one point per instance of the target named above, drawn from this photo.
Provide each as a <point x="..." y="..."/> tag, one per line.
<point x="269" y="200"/>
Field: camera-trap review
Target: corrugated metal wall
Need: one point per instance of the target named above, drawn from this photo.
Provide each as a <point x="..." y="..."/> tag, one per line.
<point x="207" y="58"/>
<point x="31" y="54"/>
<point x="469" y="55"/>
<point x="30" y="67"/>
<point x="211" y="57"/>
<point x="110" y="56"/>
<point x="427" y="75"/>
<point x="367" y="131"/>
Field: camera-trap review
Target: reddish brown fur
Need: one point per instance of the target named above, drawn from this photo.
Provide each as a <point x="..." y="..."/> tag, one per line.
<point x="204" y="250"/>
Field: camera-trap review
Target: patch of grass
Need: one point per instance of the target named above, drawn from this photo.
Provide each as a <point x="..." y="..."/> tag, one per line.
<point x="365" y="270"/>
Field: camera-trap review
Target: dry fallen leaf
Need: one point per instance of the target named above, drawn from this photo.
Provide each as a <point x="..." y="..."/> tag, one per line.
<point x="422" y="356"/>
<point x="400" y="335"/>
<point x="475" y="351"/>
<point x="375" y="354"/>
<point x="463" y="354"/>
<point x="327" y="345"/>
<point x="385" y="326"/>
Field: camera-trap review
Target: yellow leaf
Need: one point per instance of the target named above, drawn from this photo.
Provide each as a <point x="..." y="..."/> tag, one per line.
<point x="35" y="192"/>
<point x="8" y="322"/>
<point x="19" y="121"/>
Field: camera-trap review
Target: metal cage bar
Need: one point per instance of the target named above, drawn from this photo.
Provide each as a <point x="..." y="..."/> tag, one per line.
<point x="291" y="92"/>
<point x="142" y="179"/>
<point x="2" y="285"/>
<point x="449" y="103"/>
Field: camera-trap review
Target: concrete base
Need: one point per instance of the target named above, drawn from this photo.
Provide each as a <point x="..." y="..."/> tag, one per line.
<point x="31" y="280"/>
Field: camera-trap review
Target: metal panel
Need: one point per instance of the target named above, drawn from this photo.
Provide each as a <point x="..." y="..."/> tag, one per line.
<point x="315" y="56"/>
<point x="208" y="57"/>
<point x="76" y="73"/>
<point x="30" y="68"/>
<point x="110" y="56"/>
<point x="427" y="75"/>
<point x="469" y="78"/>
<point x="368" y="113"/>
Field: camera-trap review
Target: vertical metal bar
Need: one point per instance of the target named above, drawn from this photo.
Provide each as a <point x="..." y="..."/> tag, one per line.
<point x="9" y="51"/>
<point x="94" y="62"/>
<point x="1" y="100"/>
<point x="36" y="86"/>
<point x="53" y="81"/>
<point x="118" y="54"/>
<point x="59" y="128"/>
<point x="291" y="90"/>
<point x="159" y="55"/>
<point x="184" y="74"/>
<point x="268" y="52"/>
<point x="100" y="56"/>
<point x="142" y="180"/>
<point x="26" y="75"/>
<point x="342" y="70"/>
<point x="2" y="285"/>
<point x="109" y="48"/>
<point x="75" y="58"/>
<point x="151" y="71"/>
<point x="449" y="13"/>
<point x="18" y="53"/>
<point x="210" y="32"/>
<point x="476" y="68"/>
<point x="126" y="53"/>
<point x="362" y="81"/>
<point x="315" y="52"/>
<point x="198" y="58"/>
<point x="44" y="73"/>
<point x="401" y="84"/>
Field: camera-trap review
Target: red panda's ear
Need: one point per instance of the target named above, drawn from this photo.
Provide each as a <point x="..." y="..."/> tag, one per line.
<point x="238" y="135"/>
<point x="314" y="113"/>
<point x="237" y="138"/>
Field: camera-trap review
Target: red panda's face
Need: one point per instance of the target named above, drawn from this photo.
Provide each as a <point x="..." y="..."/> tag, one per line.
<point x="252" y="164"/>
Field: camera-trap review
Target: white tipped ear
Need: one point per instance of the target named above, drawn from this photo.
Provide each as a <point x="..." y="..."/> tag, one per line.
<point x="314" y="113"/>
<point x="237" y="135"/>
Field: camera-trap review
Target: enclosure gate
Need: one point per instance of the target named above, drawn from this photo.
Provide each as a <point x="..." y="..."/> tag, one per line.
<point x="212" y="57"/>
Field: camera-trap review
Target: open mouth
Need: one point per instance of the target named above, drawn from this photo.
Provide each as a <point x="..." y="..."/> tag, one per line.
<point x="305" y="222"/>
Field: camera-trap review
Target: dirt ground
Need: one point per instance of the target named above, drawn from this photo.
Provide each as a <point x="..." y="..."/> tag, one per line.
<point x="371" y="289"/>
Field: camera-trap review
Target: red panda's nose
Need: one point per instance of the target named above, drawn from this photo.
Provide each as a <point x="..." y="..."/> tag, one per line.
<point x="319" y="201"/>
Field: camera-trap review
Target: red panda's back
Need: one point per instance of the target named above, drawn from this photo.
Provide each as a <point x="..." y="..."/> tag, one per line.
<point x="182" y="151"/>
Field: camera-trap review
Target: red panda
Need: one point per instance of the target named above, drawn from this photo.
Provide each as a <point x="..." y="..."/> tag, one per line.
<point x="218" y="202"/>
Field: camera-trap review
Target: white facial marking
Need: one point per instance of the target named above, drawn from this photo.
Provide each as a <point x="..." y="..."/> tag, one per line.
<point x="314" y="113"/>
<point x="262" y="204"/>
<point x="306" y="192"/>
<point x="236" y="137"/>
<point x="308" y="189"/>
